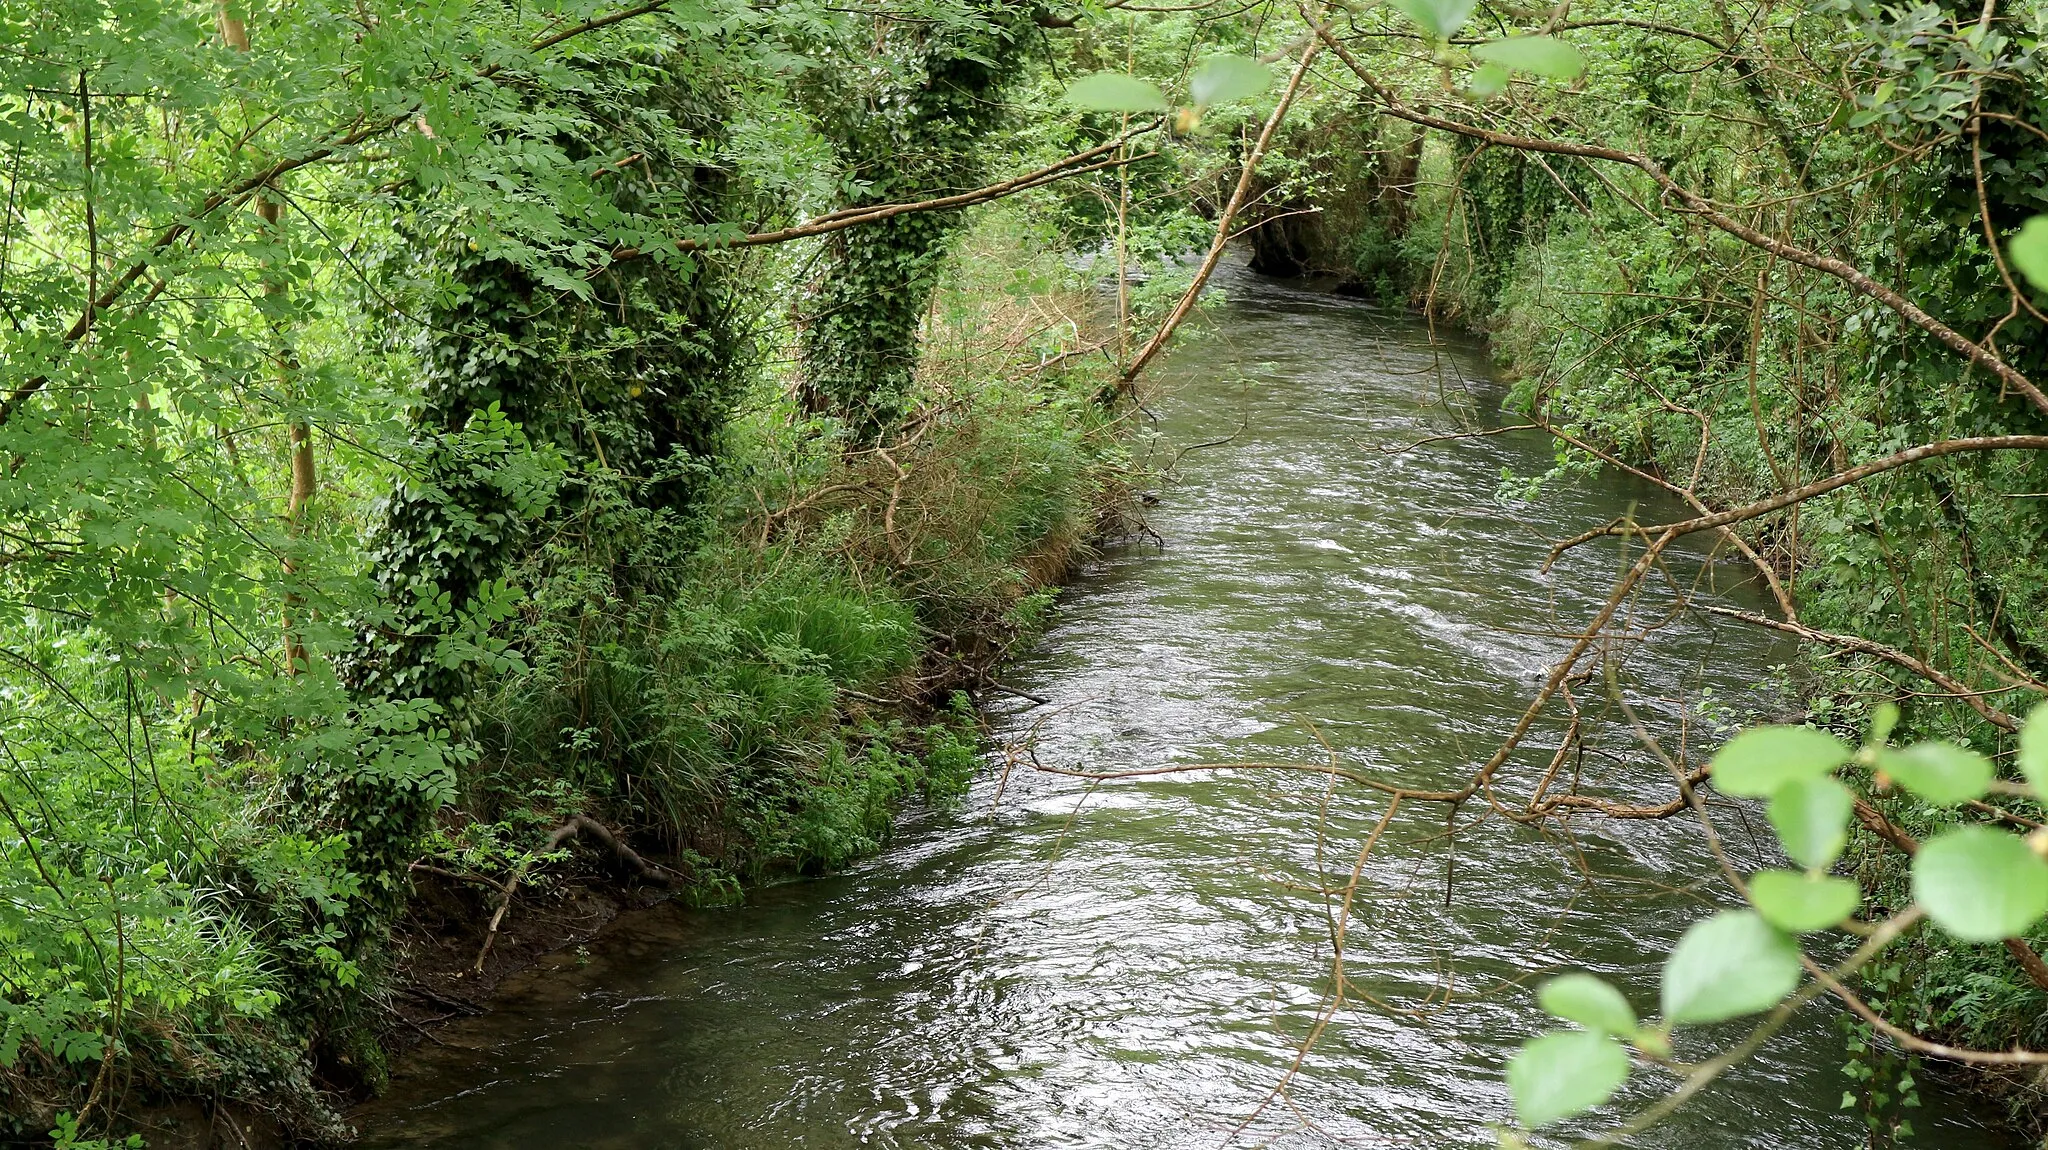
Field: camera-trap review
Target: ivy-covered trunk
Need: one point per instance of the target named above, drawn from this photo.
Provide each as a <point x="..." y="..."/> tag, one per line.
<point x="916" y="138"/>
<point x="536" y="403"/>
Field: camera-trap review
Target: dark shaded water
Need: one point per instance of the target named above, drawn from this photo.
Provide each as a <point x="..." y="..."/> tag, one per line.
<point x="1132" y="966"/>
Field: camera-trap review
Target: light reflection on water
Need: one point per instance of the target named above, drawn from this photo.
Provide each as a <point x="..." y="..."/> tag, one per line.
<point x="1128" y="965"/>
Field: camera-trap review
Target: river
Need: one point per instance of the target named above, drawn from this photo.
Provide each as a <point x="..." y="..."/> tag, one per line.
<point x="1135" y="964"/>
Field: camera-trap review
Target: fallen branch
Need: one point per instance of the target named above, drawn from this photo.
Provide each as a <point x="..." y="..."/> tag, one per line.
<point x="577" y="825"/>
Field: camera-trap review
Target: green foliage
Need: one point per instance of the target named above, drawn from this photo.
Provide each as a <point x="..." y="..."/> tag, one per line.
<point x="1565" y="1073"/>
<point x="1539" y="55"/>
<point x="910" y="130"/>
<point x="2029" y="252"/>
<point x="1727" y="965"/>
<point x="1801" y="903"/>
<point x="1439" y="18"/>
<point x="1980" y="884"/>
<point x="1115" y="92"/>
<point x="1589" y="1001"/>
<point x="2032" y="753"/>
<point x="353" y="358"/>
<point x="1222" y="79"/>
<point x="1811" y="816"/>
<point x="1759" y="763"/>
<point x="1941" y="773"/>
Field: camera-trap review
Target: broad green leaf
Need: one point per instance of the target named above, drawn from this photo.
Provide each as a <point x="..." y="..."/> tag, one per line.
<point x="1799" y="903"/>
<point x="2028" y="252"/>
<point x="1115" y="92"/>
<point x="1755" y="763"/>
<point x="1539" y="55"/>
<point x="1883" y="718"/>
<point x="1439" y="18"/>
<point x="1979" y="884"/>
<point x="1588" y="1001"/>
<point x="1942" y="773"/>
<point x="2033" y="754"/>
<point x="1565" y="1073"/>
<point x="1222" y="79"/>
<point x="1729" y="965"/>
<point x="1487" y="81"/>
<point x="1811" y="816"/>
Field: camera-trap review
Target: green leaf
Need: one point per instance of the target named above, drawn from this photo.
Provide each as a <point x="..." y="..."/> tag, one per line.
<point x="1439" y="18"/>
<point x="1799" y="903"/>
<point x="1565" y="1073"/>
<point x="1732" y="964"/>
<point x="1487" y="81"/>
<point x="1539" y="55"/>
<point x="2033" y="753"/>
<point x="1811" y="816"/>
<point x="1942" y="773"/>
<point x="1115" y="92"/>
<point x="1755" y="763"/>
<point x="1588" y="1001"/>
<point x="1222" y="79"/>
<point x="2028" y="252"/>
<point x="1979" y="884"/>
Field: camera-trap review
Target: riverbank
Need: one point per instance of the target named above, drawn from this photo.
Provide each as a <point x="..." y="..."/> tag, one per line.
<point x="841" y="615"/>
<point x="1628" y="340"/>
<point x="682" y="708"/>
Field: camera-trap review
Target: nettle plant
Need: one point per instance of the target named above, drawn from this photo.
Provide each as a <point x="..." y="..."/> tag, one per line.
<point x="1976" y="883"/>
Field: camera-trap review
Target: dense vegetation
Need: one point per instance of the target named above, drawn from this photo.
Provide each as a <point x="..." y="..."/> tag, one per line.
<point x="437" y="434"/>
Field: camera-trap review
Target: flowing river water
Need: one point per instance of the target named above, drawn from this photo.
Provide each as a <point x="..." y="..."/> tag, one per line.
<point x="1137" y="964"/>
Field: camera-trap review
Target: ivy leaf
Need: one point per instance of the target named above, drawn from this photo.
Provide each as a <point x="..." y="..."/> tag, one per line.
<point x="1487" y="81"/>
<point x="2033" y="753"/>
<point x="1115" y="92"/>
<point x="1799" y="903"/>
<point x="1942" y="773"/>
<point x="1979" y="884"/>
<point x="2028" y="251"/>
<point x="1729" y="965"/>
<point x="1439" y="18"/>
<point x="1755" y="763"/>
<point x="1539" y="55"/>
<point x="1222" y="79"/>
<point x="1589" y="1001"/>
<point x="1565" y="1073"/>
<point x="1811" y="817"/>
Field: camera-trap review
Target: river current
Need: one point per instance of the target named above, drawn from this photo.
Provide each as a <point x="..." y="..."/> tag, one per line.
<point x="1138" y="964"/>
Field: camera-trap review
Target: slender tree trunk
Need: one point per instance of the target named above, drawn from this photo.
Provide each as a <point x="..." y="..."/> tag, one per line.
<point x="304" y="479"/>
